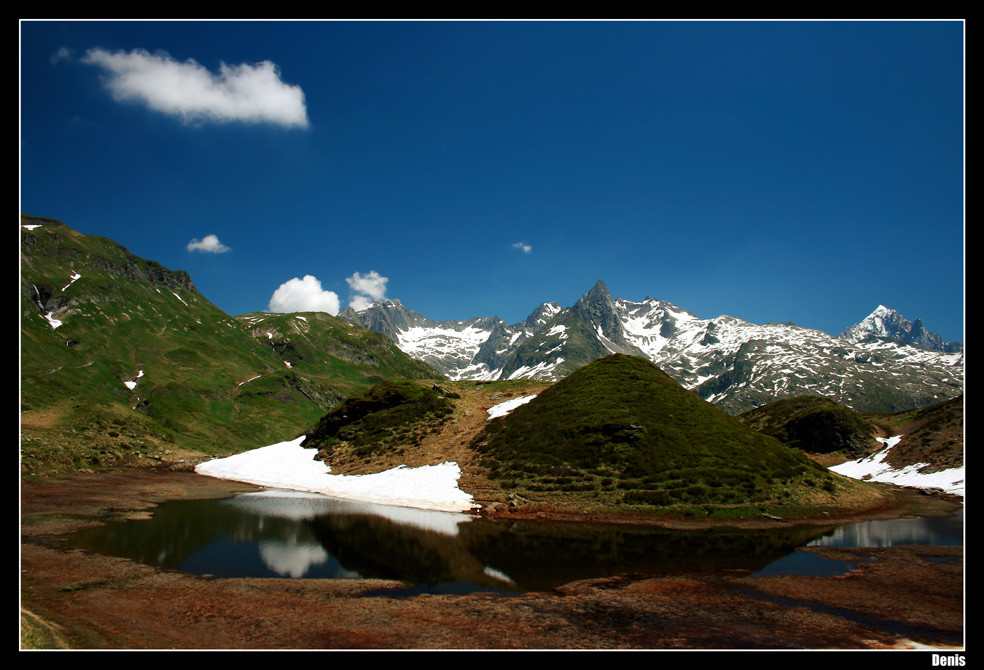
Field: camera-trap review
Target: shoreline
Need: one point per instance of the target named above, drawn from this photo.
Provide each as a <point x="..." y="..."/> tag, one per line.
<point x="906" y="503"/>
<point x="896" y="597"/>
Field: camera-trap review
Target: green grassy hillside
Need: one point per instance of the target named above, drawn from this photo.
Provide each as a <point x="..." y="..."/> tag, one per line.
<point x="336" y="353"/>
<point x="619" y="430"/>
<point x="123" y="360"/>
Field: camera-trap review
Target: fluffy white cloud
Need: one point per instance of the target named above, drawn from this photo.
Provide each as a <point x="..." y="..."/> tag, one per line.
<point x="246" y="93"/>
<point x="525" y="248"/>
<point x="209" y="244"/>
<point x="372" y="285"/>
<point x="303" y="295"/>
<point x="366" y="289"/>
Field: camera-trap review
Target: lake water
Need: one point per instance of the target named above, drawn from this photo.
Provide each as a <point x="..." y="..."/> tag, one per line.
<point x="296" y="535"/>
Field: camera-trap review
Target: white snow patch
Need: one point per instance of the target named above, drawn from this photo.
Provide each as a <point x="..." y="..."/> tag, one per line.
<point x="52" y="321"/>
<point x="75" y="277"/>
<point x="420" y="342"/>
<point x="179" y="298"/>
<point x="133" y="383"/>
<point x="556" y="330"/>
<point x="873" y="468"/>
<point x="542" y="370"/>
<point x="288" y="465"/>
<point x="504" y="408"/>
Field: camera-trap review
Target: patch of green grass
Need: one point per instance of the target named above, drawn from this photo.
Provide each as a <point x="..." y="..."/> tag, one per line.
<point x="813" y="424"/>
<point x="396" y="412"/>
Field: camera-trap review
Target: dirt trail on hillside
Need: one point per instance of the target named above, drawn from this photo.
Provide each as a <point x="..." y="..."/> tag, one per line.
<point x="895" y="597"/>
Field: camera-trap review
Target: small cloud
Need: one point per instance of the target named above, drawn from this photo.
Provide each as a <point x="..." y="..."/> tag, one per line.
<point x="209" y="244"/>
<point x="525" y="248"/>
<point x="64" y="53"/>
<point x="359" y="302"/>
<point x="367" y="288"/>
<point x="303" y="295"/>
<point x="245" y="93"/>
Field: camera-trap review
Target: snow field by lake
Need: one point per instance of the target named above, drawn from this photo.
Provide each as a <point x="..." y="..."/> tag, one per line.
<point x="875" y="469"/>
<point x="288" y="465"/>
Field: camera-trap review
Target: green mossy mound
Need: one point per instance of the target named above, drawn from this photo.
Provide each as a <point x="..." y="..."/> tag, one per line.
<point x="621" y="428"/>
<point x="815" y="425"/>
<point x="389" y="416"/>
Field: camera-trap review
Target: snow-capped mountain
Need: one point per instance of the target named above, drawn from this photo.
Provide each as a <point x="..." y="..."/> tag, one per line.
<point x="887" y="323"/>
<point x="732" y="363"/>
<point x="474" y="348"/>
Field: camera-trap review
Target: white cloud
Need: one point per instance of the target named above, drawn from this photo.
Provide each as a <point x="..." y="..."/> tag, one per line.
<point x="209" y="244"/>
<point x="373" y="284"/>
<point x="359" y="302"/>
<point x="63" y="53"/>
<point x="246" y="93"/>
<point x="523" y="246"/>
<point x="303" y="295"/>
<point x="367" y="288"/>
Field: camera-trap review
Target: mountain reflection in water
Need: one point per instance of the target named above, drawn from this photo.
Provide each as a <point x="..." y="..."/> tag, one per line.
<point x="293" y="535"/>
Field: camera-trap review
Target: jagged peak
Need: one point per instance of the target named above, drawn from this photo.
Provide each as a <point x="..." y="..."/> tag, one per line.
<point x="600" y="288"/>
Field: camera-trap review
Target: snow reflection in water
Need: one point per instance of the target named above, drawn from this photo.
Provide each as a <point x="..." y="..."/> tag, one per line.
<point x="300" y="535"/>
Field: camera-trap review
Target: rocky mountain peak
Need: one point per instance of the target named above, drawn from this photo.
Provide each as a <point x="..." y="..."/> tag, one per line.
<point x="885" y="322"/>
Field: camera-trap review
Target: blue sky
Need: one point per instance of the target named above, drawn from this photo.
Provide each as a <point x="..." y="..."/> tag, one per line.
<point x="801" y="171"/>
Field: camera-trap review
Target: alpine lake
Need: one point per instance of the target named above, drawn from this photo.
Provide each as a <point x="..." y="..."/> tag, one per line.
<point x="285" y="534"/>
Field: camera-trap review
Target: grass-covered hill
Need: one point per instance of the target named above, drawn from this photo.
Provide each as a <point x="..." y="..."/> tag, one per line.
<point x="619" y="431"/>
<point x="617" y="436"/>
<point x="124" y="361"/>
<point x="815" y="425"/>
<point x="333" y="352"/>
<point x="932" y="435"/>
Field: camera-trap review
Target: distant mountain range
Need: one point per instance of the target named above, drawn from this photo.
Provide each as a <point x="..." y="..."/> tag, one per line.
<point x="884" y="364"/>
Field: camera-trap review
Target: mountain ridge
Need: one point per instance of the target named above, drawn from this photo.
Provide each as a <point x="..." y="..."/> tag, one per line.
<point x="725" y="360"/>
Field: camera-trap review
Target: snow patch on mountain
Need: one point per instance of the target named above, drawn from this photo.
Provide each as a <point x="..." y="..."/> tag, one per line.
<point x="544" y="370"/>
<point x="75" y="277"/>
<point x="132" y="384"/>
<point x="504" y="408"/>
